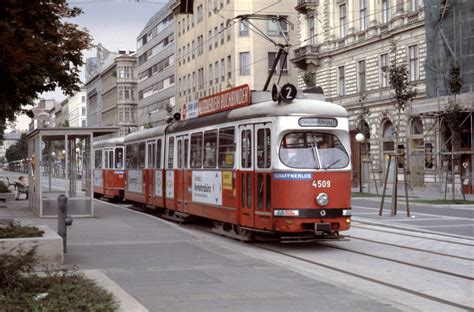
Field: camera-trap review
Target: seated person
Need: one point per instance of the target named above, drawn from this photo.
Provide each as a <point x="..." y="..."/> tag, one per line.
<point x="22" y="187"/>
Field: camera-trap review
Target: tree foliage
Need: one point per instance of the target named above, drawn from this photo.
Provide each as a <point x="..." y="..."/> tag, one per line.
<point x="41" y="51"/>
<point x="454" y="110"/>
<point x="398" y="78"/>
<point x="362" y="117"/>
<point x="18" y="151"/>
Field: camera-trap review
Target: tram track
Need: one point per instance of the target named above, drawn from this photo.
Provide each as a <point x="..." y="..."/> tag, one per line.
<point x="400" y="262"/>
<point x="319" y="258"/>
<point x="415" y="236"/>
<point x="412" y="248"/>
<point x="366" y="278"/>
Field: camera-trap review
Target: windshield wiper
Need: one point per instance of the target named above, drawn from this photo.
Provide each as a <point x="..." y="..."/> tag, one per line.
<point x="315" y="152"/>
<point x="333" y="163"/>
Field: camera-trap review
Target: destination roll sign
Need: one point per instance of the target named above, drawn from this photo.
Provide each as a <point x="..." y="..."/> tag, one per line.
<point x="219" y="102"/>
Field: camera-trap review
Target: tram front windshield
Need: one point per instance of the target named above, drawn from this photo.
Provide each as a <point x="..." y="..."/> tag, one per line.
<point x="313" y="150"/>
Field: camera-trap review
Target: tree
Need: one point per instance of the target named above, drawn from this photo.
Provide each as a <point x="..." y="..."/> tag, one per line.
<point x="41" y="51"/>
<point x="454" y="118"/>
<point x="398" y="76"/>
<point x="19" y="150"/>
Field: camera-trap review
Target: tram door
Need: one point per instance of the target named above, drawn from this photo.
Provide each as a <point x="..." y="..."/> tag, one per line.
<point x="182" y="143"/>
<point x="149" y="171"/>
<point x="247" y="208"/>
<point x="263" y="175"/>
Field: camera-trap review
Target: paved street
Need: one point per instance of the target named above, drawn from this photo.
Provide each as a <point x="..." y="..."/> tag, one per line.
<point x="452" y="219"/>
<point x="389" y="264"/>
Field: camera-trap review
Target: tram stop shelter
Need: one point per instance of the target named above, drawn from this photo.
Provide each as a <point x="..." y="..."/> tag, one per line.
<point x="61" y="162"/>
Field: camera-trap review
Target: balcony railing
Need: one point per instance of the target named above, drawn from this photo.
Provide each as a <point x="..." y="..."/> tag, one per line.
<point x="306" y="5"/>
<point x="306" y="55"/>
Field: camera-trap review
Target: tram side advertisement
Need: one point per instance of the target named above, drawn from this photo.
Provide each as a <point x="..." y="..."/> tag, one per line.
<point x="98" y="179"/>
<point x="134" y="181"/>
<point x="207" y="187"/>
<point x="158" y="184"/>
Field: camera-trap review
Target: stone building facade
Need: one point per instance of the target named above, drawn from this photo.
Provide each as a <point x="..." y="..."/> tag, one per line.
<point x="111" y="84"/>
<point x="216" y="51"/>
<point x="344" y="47"/>
<point x="156" y="69"/>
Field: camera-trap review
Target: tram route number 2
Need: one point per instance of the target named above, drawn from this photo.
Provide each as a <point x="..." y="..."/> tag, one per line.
<point x="321" y="183"/>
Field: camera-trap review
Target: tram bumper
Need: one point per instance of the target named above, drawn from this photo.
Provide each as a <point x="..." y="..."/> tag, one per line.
<point x="320" y="221"/>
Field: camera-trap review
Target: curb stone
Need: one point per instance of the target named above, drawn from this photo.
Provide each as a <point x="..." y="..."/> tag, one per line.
<point x="126" y="301"/>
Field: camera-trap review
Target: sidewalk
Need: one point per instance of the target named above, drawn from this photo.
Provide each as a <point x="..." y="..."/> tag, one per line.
<point x="169" y="268"/>
<point x="421" y="193"/>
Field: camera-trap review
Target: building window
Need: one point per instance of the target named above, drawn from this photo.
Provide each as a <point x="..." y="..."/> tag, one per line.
<point x="342" y="20"/>
<point x="209" y="39"/>
<point x="222" y="69"/>
<point x="83" y="112"/>
<point x="209" y="7"/>
<point x="216" y="37"/>
<point x="281" y="64"/>
<point x="221" y="33"/>
<point x="342" y="80"/>
<point x="244" y="63"/>
<point x="216" y="71"/>
<point x="210" y="74"/>
<point x="414" y="63"/>
<point x="384" y="70"/>
<point x="311" y="30"/>
<point x="277" y="27"/>
<point x="229" y="67"/>
<point x="413" y="5"/>
<point x="385" y="11"/>
<point x="361" y="76"/>
<point x="363" y="15"/>
<point x="200" y="43"/>
<point x="83" y="99"/>
<point x="201" y="78"/>
<point x="243" y="29"/>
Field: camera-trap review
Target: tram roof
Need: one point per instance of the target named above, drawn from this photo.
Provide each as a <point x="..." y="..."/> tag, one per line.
<point x="109" y="142"/>
<point x="147" y="133"/>
<point x="306" y="104"/>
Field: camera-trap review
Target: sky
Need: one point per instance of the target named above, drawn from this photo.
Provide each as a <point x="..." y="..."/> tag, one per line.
<point x="113" y="23"/>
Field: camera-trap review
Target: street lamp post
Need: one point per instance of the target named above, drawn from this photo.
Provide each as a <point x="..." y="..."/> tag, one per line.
<point x="360" y="137"/>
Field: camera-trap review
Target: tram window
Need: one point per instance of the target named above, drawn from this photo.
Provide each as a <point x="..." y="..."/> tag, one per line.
<point x="269" y="192"/>
<point x="106" y="159"/>
<point x="141" y="155"/>
<point x="128" y="156"/>
<point x="196" y="150"/>
<point x="186" y="147"/>
<point x="246" y="149"/>
<point x="98" y="159"/>
<point x="111" y="159"/>
<point x="260" y="191"/>
<point x="151" y="155"/>
<point x="119" y="158"/>
<point x="264" y="148"/>
<point x="180" y="154"/>
<point x="158" y="154"/>
<point x="170" y="153"/>
<point x="249" y="191"/>
<point x="210" y="148"/>
<point x="314" y="150"/>
<point x="226" y="147"/>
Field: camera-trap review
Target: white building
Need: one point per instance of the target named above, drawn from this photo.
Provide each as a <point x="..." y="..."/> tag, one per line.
<point x="78" y="109"/>
<point x="215" y="51"/>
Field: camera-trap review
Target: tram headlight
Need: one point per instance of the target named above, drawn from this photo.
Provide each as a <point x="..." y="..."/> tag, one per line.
<point x="322" y="199"/>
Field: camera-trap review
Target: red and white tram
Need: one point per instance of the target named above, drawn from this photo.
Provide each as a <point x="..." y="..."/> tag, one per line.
<point x="250" y="164"/>
<point x="109" y="168"/>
